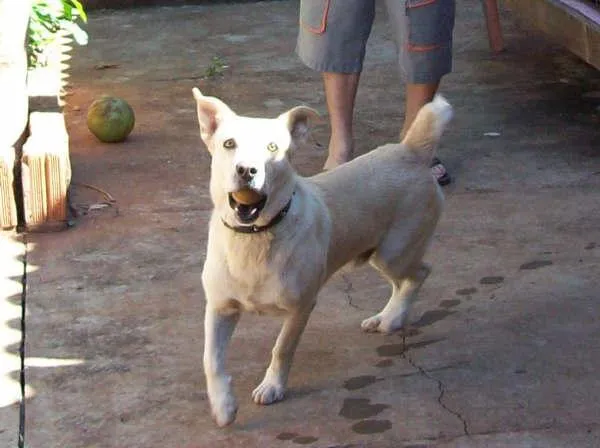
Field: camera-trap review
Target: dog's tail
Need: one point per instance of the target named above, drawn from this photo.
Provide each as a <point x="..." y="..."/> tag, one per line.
<point x="424" y="134"/>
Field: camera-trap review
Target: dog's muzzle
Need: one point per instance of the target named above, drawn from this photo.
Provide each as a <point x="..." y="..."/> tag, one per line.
<point x="247" y="204"/>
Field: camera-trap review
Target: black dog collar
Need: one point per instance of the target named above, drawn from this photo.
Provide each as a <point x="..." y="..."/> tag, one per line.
<point x="257" y="229"/>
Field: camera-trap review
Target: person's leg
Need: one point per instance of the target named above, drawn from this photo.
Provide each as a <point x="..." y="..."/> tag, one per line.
<point x="416" y="96"/>
<point x="424" y="40"/>
<point x="332" y="40"/>
<point x="340" y="93"/>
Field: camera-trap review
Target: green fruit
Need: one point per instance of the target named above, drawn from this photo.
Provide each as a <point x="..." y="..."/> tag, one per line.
<point x="110" y="119"/>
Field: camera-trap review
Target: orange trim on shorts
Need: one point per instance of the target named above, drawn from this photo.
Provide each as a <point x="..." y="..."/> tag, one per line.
<point x="421" y="3"/>
<point x="323" y="26"/>
<point x="421" y="48"/>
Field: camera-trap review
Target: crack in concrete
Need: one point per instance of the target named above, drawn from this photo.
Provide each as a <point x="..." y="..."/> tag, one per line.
<point x="348" y="289"/>
<point x="21" y="440"/>
<point x="435" y="369"/>
<point x="441" y="389"/>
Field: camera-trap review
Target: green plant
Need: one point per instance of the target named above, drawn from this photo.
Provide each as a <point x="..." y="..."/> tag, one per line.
<point x="48" y="18"/>
<point x="216" y="67"/>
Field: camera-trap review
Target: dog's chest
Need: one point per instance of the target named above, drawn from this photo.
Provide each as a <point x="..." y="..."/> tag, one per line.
<point x="259" y="279"/>
<point x="262" y="291"/>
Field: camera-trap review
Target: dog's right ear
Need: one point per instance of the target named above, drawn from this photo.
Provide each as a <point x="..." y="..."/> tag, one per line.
<point x="211" y="112"/>
<point x="297" y="121"/>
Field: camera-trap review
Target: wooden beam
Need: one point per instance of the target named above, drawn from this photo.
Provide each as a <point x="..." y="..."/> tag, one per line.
<point x="574" y="24"/>
<point x="492" y="22"/>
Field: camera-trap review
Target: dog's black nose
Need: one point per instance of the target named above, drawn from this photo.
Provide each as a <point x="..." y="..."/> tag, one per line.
<point x="246" y="172"/>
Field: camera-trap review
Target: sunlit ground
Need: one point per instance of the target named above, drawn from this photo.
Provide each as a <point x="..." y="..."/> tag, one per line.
<point x="46" y="82"/>
<point x="11" y="289"/>
<point x="11" y="271"/>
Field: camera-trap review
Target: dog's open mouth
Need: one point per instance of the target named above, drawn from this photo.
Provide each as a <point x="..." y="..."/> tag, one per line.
<point x="247" y="204"/>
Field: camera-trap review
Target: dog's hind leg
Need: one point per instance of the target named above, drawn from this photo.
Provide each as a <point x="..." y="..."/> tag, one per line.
<point x="218" y="328"/>
<point x="273" y="386"/>
<point x="404" y="291"/>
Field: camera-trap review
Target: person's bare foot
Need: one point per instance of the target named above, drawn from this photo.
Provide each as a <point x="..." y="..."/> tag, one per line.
<point x="338" y="154"/>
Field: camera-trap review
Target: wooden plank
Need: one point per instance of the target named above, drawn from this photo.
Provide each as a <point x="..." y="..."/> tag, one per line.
<point x="492" y="22"/>
<point x="8" y="208"/>
<point x="14" y="17"/>
<point x="46" y="172"/>
<point x="583" y="8"/>
<point x="46" y="169"/>
<point x="594" y="45"/>
<point x="573" y="24"/>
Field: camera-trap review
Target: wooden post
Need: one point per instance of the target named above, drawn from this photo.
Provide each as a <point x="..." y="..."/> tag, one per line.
<point x="574" y="24"/>
<point x="46" y="172"/>
<point x="14" y="17"/>
<point x="45" y="165"/>
<point x="492" y="22"/>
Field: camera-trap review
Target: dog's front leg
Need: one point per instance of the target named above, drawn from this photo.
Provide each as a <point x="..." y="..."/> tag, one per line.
<point x="218" y="328"/>
<point x="273" y="385"/>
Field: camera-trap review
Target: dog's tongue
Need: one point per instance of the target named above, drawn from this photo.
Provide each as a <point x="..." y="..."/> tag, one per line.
<point x="247" y="213"/>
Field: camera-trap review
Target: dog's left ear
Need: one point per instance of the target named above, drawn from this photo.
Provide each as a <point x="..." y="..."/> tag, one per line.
<point x="297" y="121"/>
<point x="211" y="112"/>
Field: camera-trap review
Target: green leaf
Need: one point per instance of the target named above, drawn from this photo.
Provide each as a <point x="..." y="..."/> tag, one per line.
<point x="80" y="11"/>
<point x="47" y="18"/>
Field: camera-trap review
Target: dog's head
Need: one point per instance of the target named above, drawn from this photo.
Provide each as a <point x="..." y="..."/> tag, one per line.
<point x="251" y="177"/>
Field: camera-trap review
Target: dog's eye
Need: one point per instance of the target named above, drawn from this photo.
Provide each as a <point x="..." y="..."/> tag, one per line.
<point x="272" y="147"/>
<point x="229" y="144"/>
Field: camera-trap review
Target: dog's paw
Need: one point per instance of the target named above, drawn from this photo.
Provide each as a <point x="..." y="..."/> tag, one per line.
<point x="222" y="401"/>
<point x="224" y="411"/>
<point x="381" y="324"/>
<point x="371" y="325"/>
<point x="268" y="392"/>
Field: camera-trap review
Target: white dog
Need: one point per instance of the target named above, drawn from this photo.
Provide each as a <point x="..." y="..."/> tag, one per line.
<point x="276" y="237"/>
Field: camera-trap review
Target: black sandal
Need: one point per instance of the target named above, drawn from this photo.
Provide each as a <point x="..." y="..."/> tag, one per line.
<point x="439" y="172"/>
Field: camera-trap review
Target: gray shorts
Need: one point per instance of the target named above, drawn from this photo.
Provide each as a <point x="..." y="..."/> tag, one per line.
<point x="333" y="35"/>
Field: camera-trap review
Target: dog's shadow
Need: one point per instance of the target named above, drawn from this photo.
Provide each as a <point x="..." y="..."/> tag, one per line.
<point x="292" y="396"/>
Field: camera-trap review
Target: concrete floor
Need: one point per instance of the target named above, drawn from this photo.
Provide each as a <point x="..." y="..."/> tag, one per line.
<point x="503" y="345"/>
